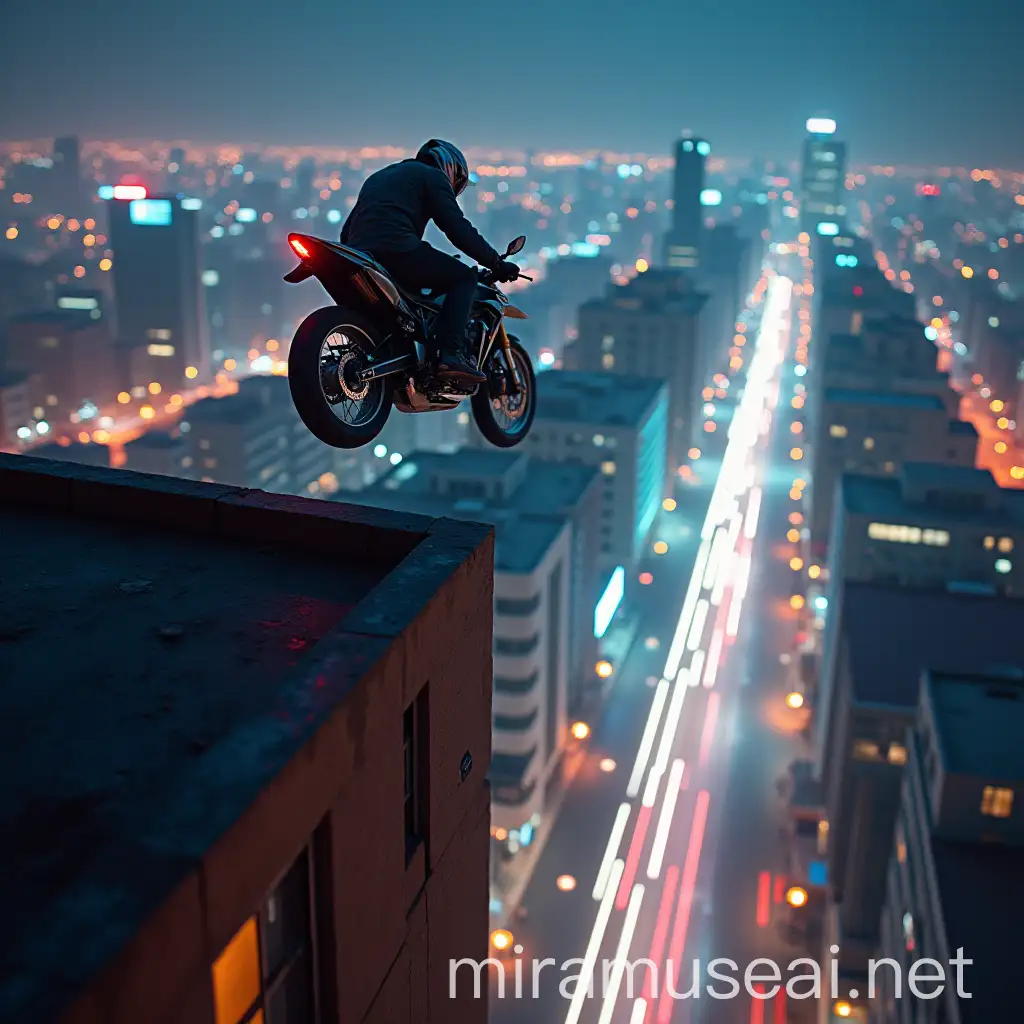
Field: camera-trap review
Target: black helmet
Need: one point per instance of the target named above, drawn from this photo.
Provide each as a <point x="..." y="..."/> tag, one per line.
<point x="449" y="159"/>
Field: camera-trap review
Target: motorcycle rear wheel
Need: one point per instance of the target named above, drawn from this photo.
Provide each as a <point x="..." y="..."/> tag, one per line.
<point x="331" y="345"/>
<point x="505" y="419"/>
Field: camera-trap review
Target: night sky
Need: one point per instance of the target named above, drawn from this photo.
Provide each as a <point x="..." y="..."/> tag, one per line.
<point x="907" y="80"/>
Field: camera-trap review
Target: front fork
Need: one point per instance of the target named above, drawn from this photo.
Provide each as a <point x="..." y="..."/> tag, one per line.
<point x="513" y="382"/>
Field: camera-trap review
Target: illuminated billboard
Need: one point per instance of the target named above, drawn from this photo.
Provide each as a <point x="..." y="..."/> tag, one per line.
<point x="821" y="126"/>
<point x="150" y="212"/>
<point x="828" y="228"/>
<point x="609" y="603"/>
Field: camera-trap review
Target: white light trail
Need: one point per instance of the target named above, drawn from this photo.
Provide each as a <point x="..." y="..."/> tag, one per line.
<point x="643" y="755"/>
<point x="668" y="807"/>
<point x="675" y="651"/>
<point x="711" y="573"/>
<point x="651" y="790"/>
<point x="668" y="735"/>
<point x="714" y="657"/>
<point x="639" y="1012"/>
<point x="608" y="860"/>
<point x="753" y="512"/>
<point x="622" y="954"/>
<point x="697" y="628"/>
<point x="732" y="623"/>
<point x="604" y="912"/>
<point x="696" y="667"/>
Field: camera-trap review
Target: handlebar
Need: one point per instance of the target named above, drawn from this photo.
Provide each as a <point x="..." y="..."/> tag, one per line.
<point x="487" y="276"/>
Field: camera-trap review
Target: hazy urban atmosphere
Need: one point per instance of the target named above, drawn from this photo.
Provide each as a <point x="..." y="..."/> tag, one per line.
<point x="615" y="624"/>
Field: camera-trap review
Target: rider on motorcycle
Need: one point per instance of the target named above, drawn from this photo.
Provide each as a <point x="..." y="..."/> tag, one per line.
<point x="388" y="221"/>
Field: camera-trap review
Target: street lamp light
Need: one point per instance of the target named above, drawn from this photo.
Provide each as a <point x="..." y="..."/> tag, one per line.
<point x="501" y="939"/>
<point x="796" y="896"/>
<point x="794" y="700"/>
<point x="843" y="1008"/>
<point x="580" y="730"/>
<point x="603" y="669"/>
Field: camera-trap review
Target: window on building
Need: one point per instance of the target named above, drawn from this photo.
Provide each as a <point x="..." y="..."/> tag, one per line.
<point x="823" y="836"/>
<point x="996" y="801"/>
<point x="838" y="430"/>
<point x="598" y="440"/>
<point x="607" y="361"/>
<point x="865" y="750"/>
<point x="1006" y="544"/>
<point x="607" y="343"/>
<point x="210" y="463"/>
<point x="903" y="534"/>
<point x="162" y="351"/>
<point x="889" y="467"/>
<point x="265" y="973"/>
<point x="869" y="443"/>
<point x="158" y="334"/>
<point x="415" y="725"/>
<point x="204" y="445"/>
<point x="516" y="606"/>
<point x="989" y="543"/>
<point x="897" y="753"/>
<point x="608" y="467"/>
<point x="856" y="322"/>
<point x="186" y="462"/>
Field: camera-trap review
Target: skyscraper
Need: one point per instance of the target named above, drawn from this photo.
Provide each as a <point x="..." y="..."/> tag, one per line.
<point x="158" y="292"/>
<point x="682" y="243"/>
<point x="67" y="172"/>
<point x="823" y="177"/>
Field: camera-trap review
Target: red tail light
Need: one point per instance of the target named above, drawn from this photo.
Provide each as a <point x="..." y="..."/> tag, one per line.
<point x="299" y="248"/>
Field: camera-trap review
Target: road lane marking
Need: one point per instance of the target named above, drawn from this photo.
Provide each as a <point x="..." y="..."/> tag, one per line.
<point x="668" y="806"/>
<point x="643" y="754"/>
<point x="584" y="982"/>
<point x="622" y="954"/>
<point x="604" y="872"/>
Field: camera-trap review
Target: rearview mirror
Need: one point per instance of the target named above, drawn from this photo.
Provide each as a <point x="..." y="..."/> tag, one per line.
<point x="515" y="245"/>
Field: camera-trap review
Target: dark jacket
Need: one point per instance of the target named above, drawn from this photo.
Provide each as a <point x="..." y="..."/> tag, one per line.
<point x="394" y="206"/>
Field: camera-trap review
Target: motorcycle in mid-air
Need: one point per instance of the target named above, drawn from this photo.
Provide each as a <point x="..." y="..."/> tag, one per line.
<point x="350" y="362"/>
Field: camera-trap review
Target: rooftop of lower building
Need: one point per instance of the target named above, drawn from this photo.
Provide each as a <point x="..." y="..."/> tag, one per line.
<point x="526" y="499"/>
<point x="935" y="494"/>
<point x="980" y="721"/>
<point x="596" y="399"/>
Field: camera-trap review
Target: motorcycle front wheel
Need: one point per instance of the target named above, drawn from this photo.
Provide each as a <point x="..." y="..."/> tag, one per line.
<point x="328" y="351"/>
<point x="503" y="416"/>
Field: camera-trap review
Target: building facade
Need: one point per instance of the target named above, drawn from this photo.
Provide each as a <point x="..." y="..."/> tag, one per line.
<point x="954" y="872"/>
<point x="618" y="425"/>
<point x="648" y="328"/>
<point x="162" y="331"/>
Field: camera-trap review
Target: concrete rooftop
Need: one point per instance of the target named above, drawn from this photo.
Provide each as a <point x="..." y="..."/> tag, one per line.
<point x="159" y="650"/>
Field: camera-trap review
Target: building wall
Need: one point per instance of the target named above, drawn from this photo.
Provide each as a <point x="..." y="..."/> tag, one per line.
<point x="877" y="440"/>
<point x="540" y="700"/>
<point x="15" y="411"/>
<point x="645" y="343"/>
<point x="933" y="551"/>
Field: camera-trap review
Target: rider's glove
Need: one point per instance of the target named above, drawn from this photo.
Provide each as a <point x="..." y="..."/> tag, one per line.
<point x="506" y="270"/>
